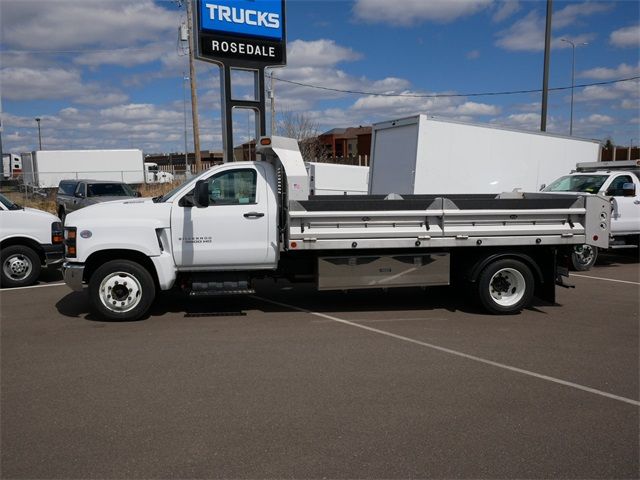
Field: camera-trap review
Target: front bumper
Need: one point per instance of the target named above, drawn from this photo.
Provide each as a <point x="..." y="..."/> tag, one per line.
<point x="53" y="254"/>
<point x="72" y="274"/>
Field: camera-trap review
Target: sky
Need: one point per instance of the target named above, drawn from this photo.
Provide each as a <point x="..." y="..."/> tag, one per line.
<point x="111" y="73"/>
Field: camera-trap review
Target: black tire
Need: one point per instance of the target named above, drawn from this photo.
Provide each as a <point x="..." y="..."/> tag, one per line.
<point x="20" y="266"/>
<point x="583" y="257"/>
<point x="126" y="284"/>
<point x="505" y="287"/>
<point x="62" y="214"/>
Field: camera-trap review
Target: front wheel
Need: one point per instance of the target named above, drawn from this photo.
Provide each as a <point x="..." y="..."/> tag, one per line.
<point x="505" y="286"/>
<point x="584" y="257"/>
<point x="20" y="266"/>
<point x="121" y="290"/>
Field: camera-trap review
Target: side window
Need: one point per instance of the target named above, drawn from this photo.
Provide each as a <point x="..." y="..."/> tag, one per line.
<point x="234" y="187"/>
<point x="615" y="189"/>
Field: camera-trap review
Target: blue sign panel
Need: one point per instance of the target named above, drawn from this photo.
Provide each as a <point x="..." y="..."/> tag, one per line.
<point x="256" y="18"/>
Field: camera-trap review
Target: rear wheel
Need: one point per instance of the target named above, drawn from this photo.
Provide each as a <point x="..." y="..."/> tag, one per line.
<point x="505" y="286"/>
<point x="121" y="290"/>
<point x="584" y="257"/>
<point x="20" y="266"/>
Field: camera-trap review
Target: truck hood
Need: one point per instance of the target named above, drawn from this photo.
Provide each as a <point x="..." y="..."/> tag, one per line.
<point x="35" y="213"/>
<point x="105" y="199"/>
<point x="122" y="214"/>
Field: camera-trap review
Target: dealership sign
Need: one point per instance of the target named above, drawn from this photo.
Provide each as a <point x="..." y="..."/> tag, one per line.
<point x="242" y="32"/>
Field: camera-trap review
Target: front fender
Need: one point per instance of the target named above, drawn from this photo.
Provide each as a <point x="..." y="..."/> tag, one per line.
<point x="126" y="235"/>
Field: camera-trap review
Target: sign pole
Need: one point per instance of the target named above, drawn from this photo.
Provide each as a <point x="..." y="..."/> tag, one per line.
<point x="241" y="35"/>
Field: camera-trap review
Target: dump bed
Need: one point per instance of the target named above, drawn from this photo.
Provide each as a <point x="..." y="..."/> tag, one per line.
<point x="409" y="221"/>
<point x="448" y="221"/>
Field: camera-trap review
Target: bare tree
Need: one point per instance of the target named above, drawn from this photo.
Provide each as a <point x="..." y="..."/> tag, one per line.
<point x="304" y="129"/>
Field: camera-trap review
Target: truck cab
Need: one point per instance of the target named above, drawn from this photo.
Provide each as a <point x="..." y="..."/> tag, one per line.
<point x="617" y="180"/>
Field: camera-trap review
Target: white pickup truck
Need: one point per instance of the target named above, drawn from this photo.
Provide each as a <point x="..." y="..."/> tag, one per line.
<point x="618" y="180"/>
<point x="245" y="220"/>
<point x="29" y="238"/>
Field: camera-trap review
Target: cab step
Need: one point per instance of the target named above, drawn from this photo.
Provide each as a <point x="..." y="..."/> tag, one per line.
<point x="219" y="293"/>
<point x="219" y="284"/>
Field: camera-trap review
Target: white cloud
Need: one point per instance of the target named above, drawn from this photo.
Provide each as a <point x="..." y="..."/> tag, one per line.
<point x="621" y="90"/>
<point x="505" y="9"/>
<point x="603" y="73"/>
<point x="626" y="37"/>
<point x="569" y="15"/>
<point x="628" y="104"/>
<point x="126" y="57"/>
<point x="21" y="83"/>
<point x="598" y="119"/>
<point x="473" y="109"/>
<point x="73" y="24"/>
<point x="473" y="54"/>
<point x="526" y="121"/>
<point x="527" y="34"/>
<point x="318" y="53"/>
<point x="32" y="84"/>
<point x="411" y="12"/>
<point x="136" y="112"/>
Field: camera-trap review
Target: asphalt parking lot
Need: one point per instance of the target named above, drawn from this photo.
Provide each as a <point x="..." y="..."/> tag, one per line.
<point x="300" y="384"/>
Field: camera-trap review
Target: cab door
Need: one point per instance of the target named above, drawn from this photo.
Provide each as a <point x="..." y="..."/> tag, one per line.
<point x="626" y="210"/>
<point x="233" y="232"/>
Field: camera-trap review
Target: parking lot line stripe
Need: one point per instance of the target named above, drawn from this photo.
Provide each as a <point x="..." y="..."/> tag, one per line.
<point x="605" y="279"/>
<point x="32" y="286"/>
<point x="457" y="353"/>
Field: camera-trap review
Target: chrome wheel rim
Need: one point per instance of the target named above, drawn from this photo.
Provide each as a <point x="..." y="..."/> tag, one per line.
<point x="120" y="292"/>
<point x="584" y="254"/>
<point x="507" y="287"/>
<point x="17" y="267"/>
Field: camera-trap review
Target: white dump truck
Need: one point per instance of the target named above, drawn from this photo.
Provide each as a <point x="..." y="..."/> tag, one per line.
<point x="236" y="222"/>
<point x="425" y="155"/>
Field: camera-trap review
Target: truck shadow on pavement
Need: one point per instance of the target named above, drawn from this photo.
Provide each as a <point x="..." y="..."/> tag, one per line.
<point x="306" y="297"/>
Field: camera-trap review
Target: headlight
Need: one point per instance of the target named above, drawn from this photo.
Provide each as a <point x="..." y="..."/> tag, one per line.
<point x="70" y="242"/>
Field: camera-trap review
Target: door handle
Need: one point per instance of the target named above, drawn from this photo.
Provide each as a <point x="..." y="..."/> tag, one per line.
<point x="253" y="215"/>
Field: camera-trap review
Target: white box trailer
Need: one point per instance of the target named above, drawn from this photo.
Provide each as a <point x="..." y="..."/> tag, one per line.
<point x="45" y="168"/>
<point x="337" y="179"/>
<point x="422" y="155"/>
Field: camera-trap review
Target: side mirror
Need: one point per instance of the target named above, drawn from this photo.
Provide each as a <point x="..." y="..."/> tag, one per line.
<point x="80" y="195"/>
<point x="543" y="186"/>
<point x="628" y="190"/>
<point x="201" y="194"/>
<point x="137" y="194"/>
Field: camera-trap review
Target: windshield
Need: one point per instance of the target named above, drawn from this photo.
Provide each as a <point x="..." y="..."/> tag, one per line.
<point x="9" y="205"/>
<point x="577" y="183"/>
<point x="167" y="196"/>
<point x="109" y="190"/>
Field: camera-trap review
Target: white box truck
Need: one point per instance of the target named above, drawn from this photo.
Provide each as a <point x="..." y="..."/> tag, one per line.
<point x="423" y="155"/>
<point x="46" y="168"/>
<point x="337" y="179"/>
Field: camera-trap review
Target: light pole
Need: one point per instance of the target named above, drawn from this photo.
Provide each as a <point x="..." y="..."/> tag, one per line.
<point x="573" y="75"/>
<point x="39" y="134"/>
